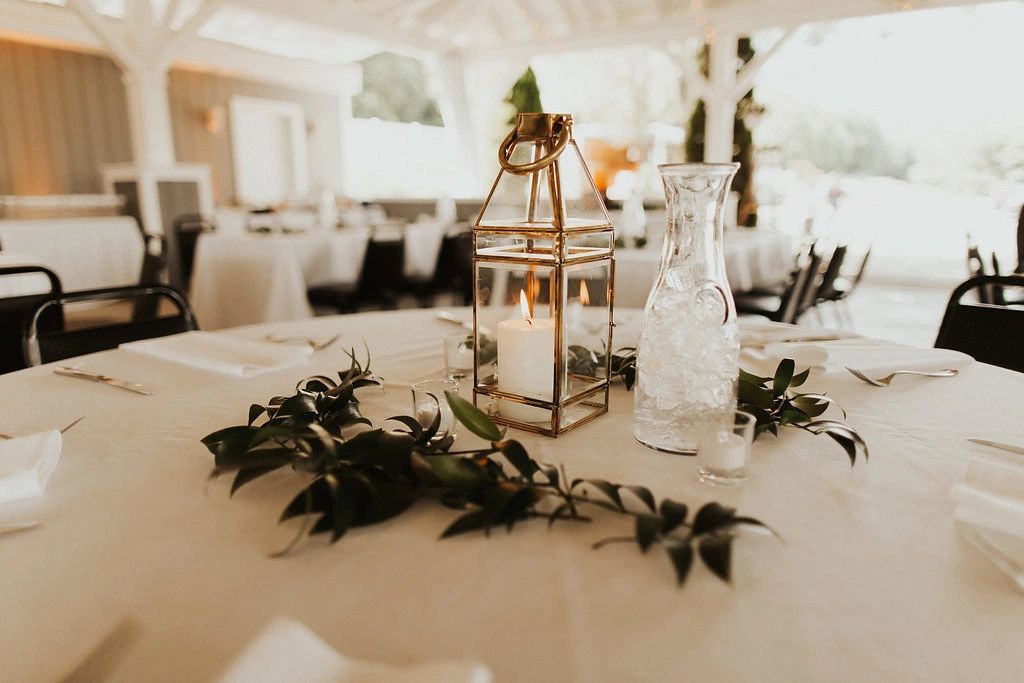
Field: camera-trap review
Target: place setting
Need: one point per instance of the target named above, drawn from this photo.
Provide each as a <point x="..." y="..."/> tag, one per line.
<point x="538" y="342"/>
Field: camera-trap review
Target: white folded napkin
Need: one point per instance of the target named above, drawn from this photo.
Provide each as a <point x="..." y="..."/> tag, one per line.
<point x="287" y="650"/>
<point x="222" y="353"/>
<point x="989" y="509"/>
<point x="992" y="497"/>
<point x="26" y="464"/>
<point x="870" y="357"/>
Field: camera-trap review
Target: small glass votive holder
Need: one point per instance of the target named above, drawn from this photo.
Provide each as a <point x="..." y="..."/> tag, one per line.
<point x="458" y="355"/>
<point x="723" y="453"/>
<point x="428" y="400"/>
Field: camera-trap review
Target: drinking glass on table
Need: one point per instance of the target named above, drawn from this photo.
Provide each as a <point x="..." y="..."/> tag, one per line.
<point x="428" y="400"/>
<point x="723" y="452"/>
<point x="458" y="355"/>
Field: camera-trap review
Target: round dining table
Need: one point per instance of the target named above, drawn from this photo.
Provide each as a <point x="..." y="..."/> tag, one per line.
<point x="869" y="579"/>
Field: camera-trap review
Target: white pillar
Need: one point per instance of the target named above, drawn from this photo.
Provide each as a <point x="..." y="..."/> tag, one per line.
<point x="149" y="116"/>
<point x="720" y="101"/>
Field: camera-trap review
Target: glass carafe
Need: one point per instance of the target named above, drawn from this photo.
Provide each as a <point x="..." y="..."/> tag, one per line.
<point x="688" y="355"/>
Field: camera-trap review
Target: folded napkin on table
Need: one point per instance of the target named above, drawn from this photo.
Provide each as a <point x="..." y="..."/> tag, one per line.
<point x="222" y="353"/>
<point x="989" y="507"/>
<point x="869" y="356"/>
<point x="26" y="464"/>
<point x="287" y="650"/>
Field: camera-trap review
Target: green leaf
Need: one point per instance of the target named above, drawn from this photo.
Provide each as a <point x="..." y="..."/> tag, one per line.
<point x="752" y="379"/>
<point x="472" y="417"/>
<point x="244" y="476"/>
<point x="647" y="529"/>
<point x="558" y="514"/>
<point x="611" y="491"/>
<point x="516" y="454"/>
<point x="672" y="515"/>
<point x="783" y="376"/>
<point x="412" y="423"/>
<point x="820" y="399"/>
<point x="452" y="470"/>
<point x="755" y="395"/>
<point x="716" y="552"/>
<point x="644" y="495"/>
<point x="712" y="517"/>
<point x="681" y="555"/>
<point x="799" y="379"/>
<point x="471" y="521"/>
<point x="255" y="410"/>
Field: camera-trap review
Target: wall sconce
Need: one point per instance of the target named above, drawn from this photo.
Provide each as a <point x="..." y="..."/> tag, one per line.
<point x="213" y="119"/>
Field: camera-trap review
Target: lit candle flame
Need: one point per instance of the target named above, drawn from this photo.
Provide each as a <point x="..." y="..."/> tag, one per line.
<point x="584" y="293"/>
<point x="524" y="305"/>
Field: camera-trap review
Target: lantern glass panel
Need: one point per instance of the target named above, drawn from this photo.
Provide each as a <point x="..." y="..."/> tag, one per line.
<point x="514" y="321"/>
<point x="510" y="202"/>
<point x="586" y="291"/>
<point x="515" y="245"/>
<point x="582" y="205"/>
<point x="587" y="245"/>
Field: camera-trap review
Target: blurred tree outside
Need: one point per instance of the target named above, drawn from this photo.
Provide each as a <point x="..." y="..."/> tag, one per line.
<point x="524" y="96"/>
<point x="394" y="89"/>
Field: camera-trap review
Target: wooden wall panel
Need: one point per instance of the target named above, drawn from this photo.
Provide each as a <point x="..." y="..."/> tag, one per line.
<point x="63" y="114"/>
<point x="194" y="93"/>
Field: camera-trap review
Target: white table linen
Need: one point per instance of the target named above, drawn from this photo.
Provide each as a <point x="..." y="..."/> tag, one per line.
<point x="86" y="253"/>
<point x="753" y="258"/>
<point x="873" y="358"/>
<point x="873" y="582"/>
<point x="26" y="464"/>
<point x="240" y="279"/>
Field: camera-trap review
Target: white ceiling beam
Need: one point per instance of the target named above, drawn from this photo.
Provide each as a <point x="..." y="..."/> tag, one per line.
<point x="104" y="29"/>
<point x="740" y="16"/>
<point x="170" y="12"/>
<point x="345" y="15"/>
<point x="745" y="79"/>
<point x="179" y="39"/>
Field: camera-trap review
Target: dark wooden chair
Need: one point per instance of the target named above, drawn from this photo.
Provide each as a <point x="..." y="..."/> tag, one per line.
<point x="784" y="307"/>
<point x="15" y="312"/>
<point x="379" y="281"/>
<point x="45" y="346"/>
<point x="985" y="331"/>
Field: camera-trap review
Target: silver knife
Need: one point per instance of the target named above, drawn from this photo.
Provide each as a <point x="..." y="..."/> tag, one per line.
<point x="96" y="377"/>
<point x="1001" y="446"/>
<point x="12" y="527"/>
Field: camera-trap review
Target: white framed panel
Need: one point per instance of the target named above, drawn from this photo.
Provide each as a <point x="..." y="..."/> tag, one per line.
<point x="268" y="150"/>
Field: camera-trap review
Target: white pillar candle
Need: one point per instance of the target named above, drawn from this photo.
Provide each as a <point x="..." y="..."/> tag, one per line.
<point x="723" y="451"/>
<point x="526" y="366"/>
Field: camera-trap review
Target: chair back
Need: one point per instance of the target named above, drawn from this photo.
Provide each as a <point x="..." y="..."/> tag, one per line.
<point x="15" y="311"/>
<point x="789" y="302"/>
<point x="382" y="270"/>
<point x="43" y="346"/>
<point x="181" y="248"/>
<point x="455" y="265"/>
<point x="826" y="290"/>
<point x="808" y="296"/>
<point x="989" y="333"/>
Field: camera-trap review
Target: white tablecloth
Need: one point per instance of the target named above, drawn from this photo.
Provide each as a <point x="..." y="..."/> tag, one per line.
<point x="752" y="259"/>
<point x="86" y="253"/>
<point x="240" y="279"/>
<point x="872" y="582"/>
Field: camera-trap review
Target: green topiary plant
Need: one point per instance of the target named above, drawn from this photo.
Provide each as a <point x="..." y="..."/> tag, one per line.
<point x="524" y="96"/>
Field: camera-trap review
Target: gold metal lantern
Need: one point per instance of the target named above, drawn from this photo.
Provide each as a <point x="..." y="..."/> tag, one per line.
<point x="544" y="272"/>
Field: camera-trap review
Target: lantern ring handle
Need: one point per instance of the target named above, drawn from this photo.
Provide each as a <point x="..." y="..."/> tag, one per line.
<point x="505" y="150"/>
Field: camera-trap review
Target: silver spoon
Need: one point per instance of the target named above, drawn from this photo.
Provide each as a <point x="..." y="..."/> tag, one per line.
<point x="63" y="429"/>
<point x="887" y="380"/>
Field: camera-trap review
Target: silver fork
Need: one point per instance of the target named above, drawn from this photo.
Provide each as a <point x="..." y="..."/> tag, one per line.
<point x="312" y="343"/>
<point x="887" y="380"/>
<point x="63" y="429"/>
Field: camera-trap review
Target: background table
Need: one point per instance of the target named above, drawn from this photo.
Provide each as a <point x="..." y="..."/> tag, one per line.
<point x="871" y="583"/>
<point x="753" y="258"/>
<point x="85" y="253"/>
<point x="244" y="278"/>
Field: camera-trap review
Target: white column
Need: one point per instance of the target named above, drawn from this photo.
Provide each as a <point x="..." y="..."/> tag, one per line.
<point x="458" y="117"/>
<point x="720" y="101"/>
<point x="149" y="116"/>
